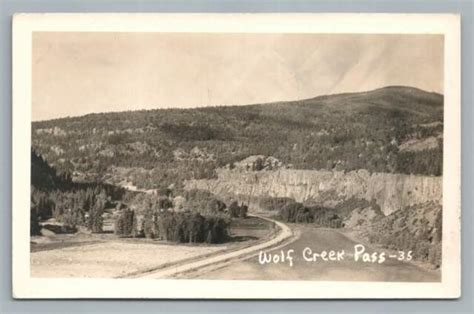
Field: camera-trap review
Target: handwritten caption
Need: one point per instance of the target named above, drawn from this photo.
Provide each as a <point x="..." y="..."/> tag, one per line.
<point x="358" y="254"/>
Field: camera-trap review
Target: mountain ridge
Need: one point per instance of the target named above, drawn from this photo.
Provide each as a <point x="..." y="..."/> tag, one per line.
<point x="384" y="130"/>
<point x="315" y="98"/>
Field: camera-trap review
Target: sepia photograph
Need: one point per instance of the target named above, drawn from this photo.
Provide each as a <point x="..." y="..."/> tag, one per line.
<point x="257" y="156"/>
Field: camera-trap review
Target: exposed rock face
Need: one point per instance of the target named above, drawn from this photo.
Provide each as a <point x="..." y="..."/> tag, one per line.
<point x="415" y="145"/>
<point x="390" y="191"/>
<point x="258" y="163"/>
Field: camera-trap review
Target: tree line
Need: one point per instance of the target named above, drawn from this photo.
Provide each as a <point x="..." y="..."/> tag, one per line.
<point x="203" y="218"/>
<point x="74" y="204"/>
<point x="181" y="227"/>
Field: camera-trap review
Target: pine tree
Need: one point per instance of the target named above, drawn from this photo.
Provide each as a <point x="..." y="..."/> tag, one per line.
<point x="126" y="224"/>
<point x="95" y="216"/>
<point x="35" y="227"/>
<point x="234" y="209"/>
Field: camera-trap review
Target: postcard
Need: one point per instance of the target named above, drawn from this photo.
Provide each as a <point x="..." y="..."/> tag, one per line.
<point x="236" y="156"/>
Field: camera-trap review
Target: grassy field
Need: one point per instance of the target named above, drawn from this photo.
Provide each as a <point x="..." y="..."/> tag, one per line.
<point x="111" y="259"/>
<point x="250" y="228"/>
<point x="106" y="256"/>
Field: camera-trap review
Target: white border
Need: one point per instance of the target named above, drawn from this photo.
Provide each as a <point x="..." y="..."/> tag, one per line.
<point x="25" y="24"/>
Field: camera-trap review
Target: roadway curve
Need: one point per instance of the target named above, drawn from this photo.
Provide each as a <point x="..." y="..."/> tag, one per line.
<point x="319" y="239"/>
<point x="283" y="238"/>
<point x="243" y="263"/>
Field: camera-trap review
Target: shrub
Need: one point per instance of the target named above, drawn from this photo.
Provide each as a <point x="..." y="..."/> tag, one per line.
<point x="95" y="221"/>
<point x="35" y="228"/>
<point x="323" y="217"/>
<point x="275" y="203"/>
<point x="401" y="231"/>
<point x="346" y="207"/>
<point x="203" y="202"/>
<point x="217" y="229"/>
<point x="237" y="211"/>
<point x="164" y="203"/>
<point x="243" y="211"/>
<point x="149" y="223"/>
<point x="125" y="225"/>
<point x="72" y="219"/>
<point x="234" y="209"/>
<point x="188" y="227"/>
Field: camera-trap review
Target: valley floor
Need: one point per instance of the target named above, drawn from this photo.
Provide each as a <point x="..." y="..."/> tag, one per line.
<point x="107" y="256"/>
<point x="111" y="259"/>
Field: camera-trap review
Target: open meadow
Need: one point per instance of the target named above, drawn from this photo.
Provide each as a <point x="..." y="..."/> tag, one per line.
<point x="108" y="256"/>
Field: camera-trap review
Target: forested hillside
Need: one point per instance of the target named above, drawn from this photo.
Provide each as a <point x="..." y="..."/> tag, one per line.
<point x="55" y="195"/>
<point x="392" y="130"/>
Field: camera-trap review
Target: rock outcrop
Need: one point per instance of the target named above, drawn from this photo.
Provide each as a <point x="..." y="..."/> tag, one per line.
<point x="390" y="191"/>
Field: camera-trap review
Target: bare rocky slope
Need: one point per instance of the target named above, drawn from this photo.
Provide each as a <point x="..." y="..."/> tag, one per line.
<point x="390" y="191"/>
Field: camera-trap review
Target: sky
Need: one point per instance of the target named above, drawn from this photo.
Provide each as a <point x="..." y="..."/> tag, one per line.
<point x="76" y="73"/>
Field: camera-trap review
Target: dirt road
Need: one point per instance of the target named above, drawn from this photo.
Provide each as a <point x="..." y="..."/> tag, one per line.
<point x="284" y="236"/>
<point x="317" y="240"/>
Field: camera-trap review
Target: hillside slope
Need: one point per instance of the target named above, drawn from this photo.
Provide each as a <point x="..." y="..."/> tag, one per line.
<point x="43" y="176"/>
<point x="381" y="131"/>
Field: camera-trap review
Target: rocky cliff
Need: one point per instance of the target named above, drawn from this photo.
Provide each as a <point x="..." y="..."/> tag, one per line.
<point x="390" y="191"/>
